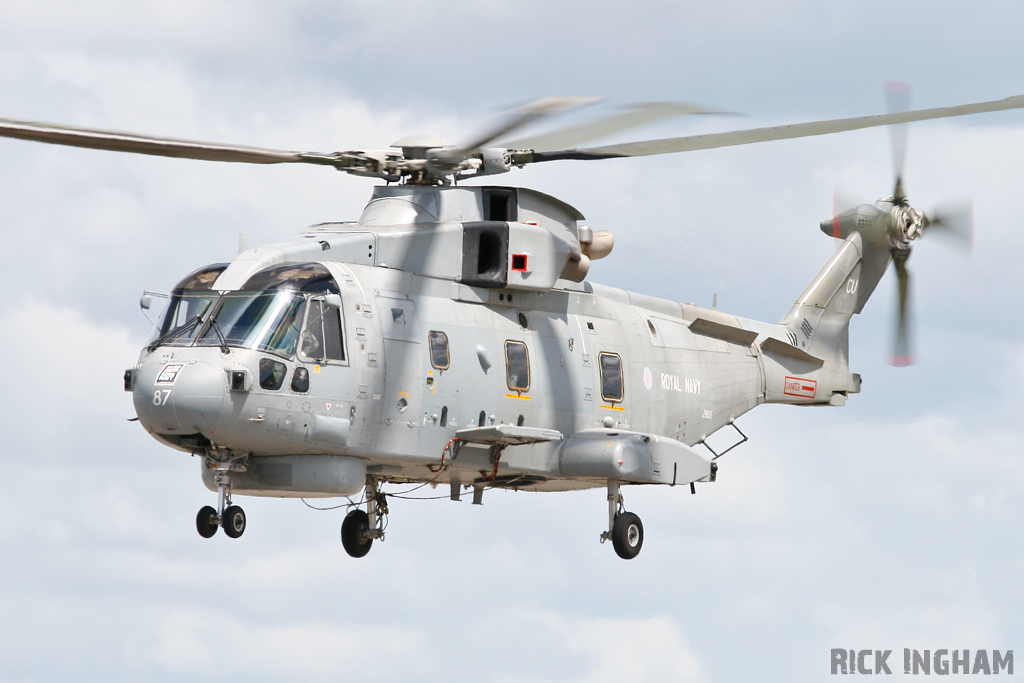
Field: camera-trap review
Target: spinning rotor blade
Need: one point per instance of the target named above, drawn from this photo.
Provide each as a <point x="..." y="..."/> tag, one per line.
<point x="640" y="114"/>
<point x="897" y="97"/>
<point x="956" y="222"/>
<point x="746" y="137"/>
<point x="902" y="354"/>
<point x="144" y="144"/>
<point x="527" y="114"/>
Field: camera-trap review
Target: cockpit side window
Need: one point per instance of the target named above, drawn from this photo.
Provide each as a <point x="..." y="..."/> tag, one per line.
<point x="183" y="318"/>
<point x="611" y="377"/>
<point x="184" y="308"/>
<point x="322" y="339"/>
<point x="439" y="356"/>
<point x="190" y="299"/>
<point x="517" y="366"/>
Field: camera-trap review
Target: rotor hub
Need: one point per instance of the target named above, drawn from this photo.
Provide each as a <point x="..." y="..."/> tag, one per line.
<point x="908" y="223"/>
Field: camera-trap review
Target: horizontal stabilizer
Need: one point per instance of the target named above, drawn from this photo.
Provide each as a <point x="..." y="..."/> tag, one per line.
<point x="720" y="331"/>
<point x="773" y="345"/>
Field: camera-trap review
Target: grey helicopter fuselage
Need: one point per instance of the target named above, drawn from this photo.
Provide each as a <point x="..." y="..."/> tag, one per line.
<point x="455" y="312"/>
<point x="450" y="335"/>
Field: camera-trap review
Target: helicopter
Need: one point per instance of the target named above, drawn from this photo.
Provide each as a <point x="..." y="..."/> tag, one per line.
<point x="450" y="335"/>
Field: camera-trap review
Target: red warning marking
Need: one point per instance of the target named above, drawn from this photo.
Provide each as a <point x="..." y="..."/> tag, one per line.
<point x="897" y="86"/>
<point x="796" y="386"/>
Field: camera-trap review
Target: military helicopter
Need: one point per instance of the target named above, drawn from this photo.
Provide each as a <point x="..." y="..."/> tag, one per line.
<point x="449" y="334"/>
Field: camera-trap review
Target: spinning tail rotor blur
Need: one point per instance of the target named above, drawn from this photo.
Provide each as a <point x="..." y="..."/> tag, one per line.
<point x="895" y="222"/>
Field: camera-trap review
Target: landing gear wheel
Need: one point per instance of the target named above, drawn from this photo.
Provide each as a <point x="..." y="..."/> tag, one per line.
<point x="355" y="533"/>
<point x="206" y="522"/>
<point x="627" y="535"/>
<point x="234" y="521"/>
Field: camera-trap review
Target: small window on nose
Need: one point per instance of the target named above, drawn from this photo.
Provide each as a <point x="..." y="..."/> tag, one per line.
<point x="272" y="374"/>
<point x="300" y="380"/>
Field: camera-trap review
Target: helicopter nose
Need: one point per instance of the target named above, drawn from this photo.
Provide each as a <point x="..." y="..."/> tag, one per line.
<point x="179" y="398"/>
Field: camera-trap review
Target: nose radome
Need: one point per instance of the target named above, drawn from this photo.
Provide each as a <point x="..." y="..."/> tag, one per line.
<point x="183" y="400"/>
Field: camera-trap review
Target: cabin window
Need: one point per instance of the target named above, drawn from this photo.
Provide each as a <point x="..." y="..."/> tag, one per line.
<point x="611" y="377"/>
<point x="322" y="339"/>
<point x="439" y="357"/>
<point x="517" y="366"/>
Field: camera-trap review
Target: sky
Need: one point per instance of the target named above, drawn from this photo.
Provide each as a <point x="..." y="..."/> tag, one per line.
<point x="892" y="522"/>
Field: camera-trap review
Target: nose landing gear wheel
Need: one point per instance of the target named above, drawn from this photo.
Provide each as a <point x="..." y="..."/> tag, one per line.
<point x="234" y="521"/>
<point x="355" y="533"/>
<point x="206" y="522"/>
<point x="627" y="535"/>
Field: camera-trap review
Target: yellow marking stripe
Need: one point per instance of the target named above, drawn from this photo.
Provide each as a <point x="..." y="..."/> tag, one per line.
<point x="613" y="408"/>
<point x="525" y="398"/>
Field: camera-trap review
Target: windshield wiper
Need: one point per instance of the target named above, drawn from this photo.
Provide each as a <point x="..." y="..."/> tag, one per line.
<point x="215" y="326"/>
<point x="187" y="326"/>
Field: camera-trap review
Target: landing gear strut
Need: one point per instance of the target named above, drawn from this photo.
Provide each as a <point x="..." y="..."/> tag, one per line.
<point x="625" y="529"/>
<point x="360" y="528"/>
<point x="229" y="516"/>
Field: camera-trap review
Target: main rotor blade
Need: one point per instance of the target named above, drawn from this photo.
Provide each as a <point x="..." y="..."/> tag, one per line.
<point x="746" y="137"/>
<point x="897" y="97"/>
<point x="527" y="114"/>
<point x="143" y="144"/>
<point x="902" y="354"/>
<point x="640" y="114"/>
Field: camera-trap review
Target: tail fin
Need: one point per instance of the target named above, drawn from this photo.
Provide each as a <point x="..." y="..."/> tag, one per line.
<point x="819" y="322"/>
<point x="814" y="367"/>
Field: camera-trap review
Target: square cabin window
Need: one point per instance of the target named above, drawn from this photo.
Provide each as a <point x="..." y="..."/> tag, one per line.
<point x="517" y="366"/>
<point x="611" y="377"/>
<point x="439" y="356"/>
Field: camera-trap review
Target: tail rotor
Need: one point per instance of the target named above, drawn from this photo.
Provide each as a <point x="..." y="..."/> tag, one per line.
<point x="893" y="221"/>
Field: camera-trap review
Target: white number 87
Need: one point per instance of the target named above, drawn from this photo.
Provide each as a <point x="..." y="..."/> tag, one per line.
<point x="160" y="396"/>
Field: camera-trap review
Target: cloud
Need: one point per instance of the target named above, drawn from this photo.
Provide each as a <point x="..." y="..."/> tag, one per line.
<point x="210" y="643"/>
<point x="641" y="649"/>
<point x="70" y="365"/>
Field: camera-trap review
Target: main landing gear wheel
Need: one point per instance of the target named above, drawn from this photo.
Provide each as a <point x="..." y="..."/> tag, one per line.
<point x="355" y="533"/>
<point x="627" y="535"/>
<point x="234" y="521"/>
<point x="206" y="522"/>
